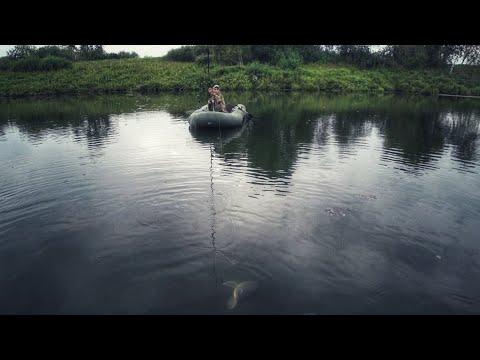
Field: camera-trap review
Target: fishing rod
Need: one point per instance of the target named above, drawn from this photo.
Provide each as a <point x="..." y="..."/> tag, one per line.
<point x="205" y="83"/>
<point x="208" y="65"/>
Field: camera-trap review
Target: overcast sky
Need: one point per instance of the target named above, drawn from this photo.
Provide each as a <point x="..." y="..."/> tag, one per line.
<point x="141" y="50"/>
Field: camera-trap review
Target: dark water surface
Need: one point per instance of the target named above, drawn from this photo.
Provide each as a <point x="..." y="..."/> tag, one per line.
<point x="331" y="204"/>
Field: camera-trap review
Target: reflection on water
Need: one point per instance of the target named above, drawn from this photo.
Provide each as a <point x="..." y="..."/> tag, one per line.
<point x="331" y="204"/>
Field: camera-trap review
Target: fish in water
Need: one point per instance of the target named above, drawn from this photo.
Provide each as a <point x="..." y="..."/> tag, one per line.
<point x="240" y="291"/>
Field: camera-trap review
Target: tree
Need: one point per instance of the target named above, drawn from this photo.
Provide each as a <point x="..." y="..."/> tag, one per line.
<point x="431" y="56"/>
<point x="359" y="55"/>
<point x="21" y="51"/>
<point x="467" y="54"/>
<point x="92" y="52"/>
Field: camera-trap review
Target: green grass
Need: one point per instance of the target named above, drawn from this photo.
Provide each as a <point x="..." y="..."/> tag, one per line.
<point x="152" y="75"/>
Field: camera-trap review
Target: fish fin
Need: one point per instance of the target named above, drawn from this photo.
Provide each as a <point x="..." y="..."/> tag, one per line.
<point x="231" y="302"/>
<point x="232" y="284"/>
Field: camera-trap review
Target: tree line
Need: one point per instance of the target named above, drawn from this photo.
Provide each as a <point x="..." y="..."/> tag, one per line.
<point x="55" y="57"/>
<point x="362" y="56"/>
<point x="288" y="57"/>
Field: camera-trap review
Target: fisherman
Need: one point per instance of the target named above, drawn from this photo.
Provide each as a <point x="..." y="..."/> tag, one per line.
<point x="216" y="101"/>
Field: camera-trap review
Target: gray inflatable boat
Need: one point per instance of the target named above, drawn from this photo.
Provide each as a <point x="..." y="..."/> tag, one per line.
<point x="203" y="118"/>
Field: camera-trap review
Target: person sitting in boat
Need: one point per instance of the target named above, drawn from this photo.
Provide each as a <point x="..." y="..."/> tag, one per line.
<point x="216" y="101"/>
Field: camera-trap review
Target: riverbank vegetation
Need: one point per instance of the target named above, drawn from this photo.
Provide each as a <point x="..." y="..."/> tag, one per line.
<point x="71" y="69"/>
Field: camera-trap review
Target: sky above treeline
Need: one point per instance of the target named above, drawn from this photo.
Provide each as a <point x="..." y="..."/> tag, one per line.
<point x="141" y="50"/>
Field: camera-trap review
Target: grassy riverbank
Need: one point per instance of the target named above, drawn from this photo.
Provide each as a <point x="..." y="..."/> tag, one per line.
<point x="152" y="75"/>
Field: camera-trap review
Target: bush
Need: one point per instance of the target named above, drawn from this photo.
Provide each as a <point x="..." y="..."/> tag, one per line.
<point x="289" y="60"/>
<point x="121" y="55"/>
<point x="475" y="91"/>
<point x="55" y="51"/>
<point x="34" y="63"/>
<point x="5" y="64"/>
<point x="202" y="59"/>
<point x="257" y="70"/>
<point x="51" y="63"/>
<point x="31" y="63"/>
